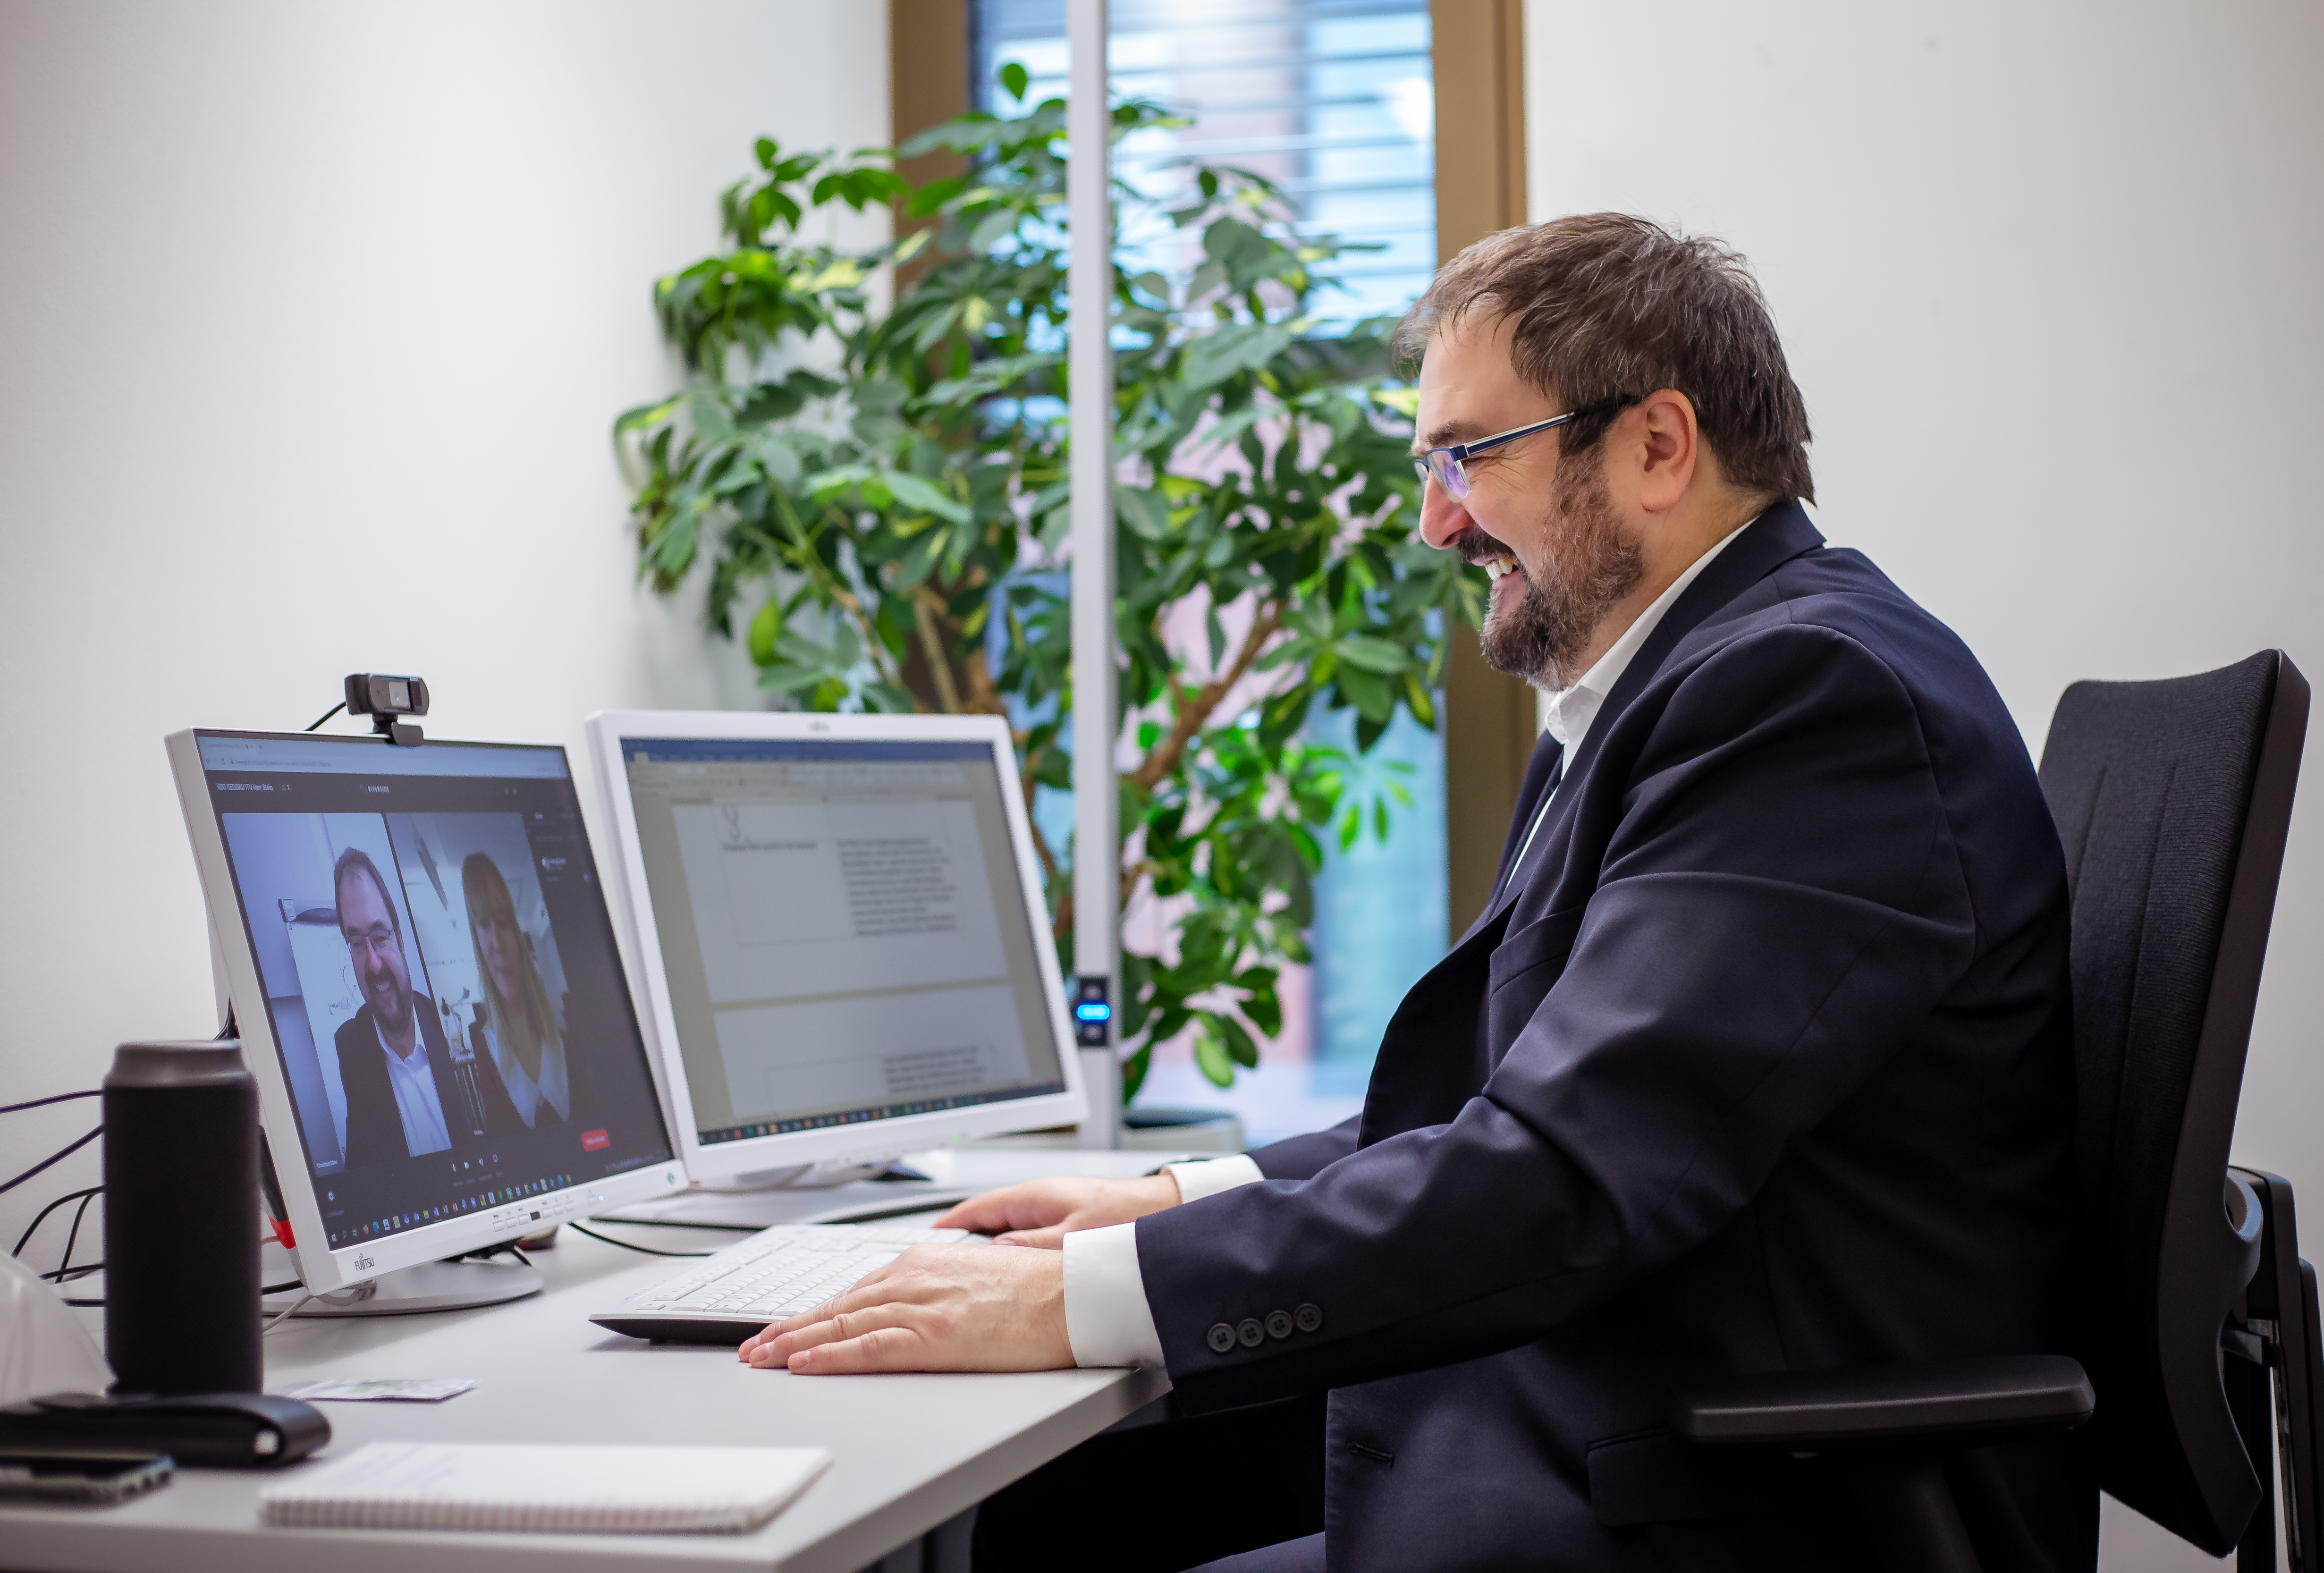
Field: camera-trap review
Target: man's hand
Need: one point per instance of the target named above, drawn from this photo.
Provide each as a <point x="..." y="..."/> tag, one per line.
<point x="1042" y="1212"/>
<point x="935" y="1308"/>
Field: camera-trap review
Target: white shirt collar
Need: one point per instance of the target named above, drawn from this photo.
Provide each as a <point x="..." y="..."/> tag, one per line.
<point x="1568" y="712"/>
<point x="419" y="1055"/>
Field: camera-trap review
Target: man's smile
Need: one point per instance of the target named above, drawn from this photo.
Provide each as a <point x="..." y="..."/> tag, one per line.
<point x="1479" y="549"/>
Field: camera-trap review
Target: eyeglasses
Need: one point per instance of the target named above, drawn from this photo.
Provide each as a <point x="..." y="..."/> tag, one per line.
<point x="1447" y="466"/>
<point x="379" y="941"/>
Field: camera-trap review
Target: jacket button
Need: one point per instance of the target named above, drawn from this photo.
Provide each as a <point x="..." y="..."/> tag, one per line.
<point x="1278" y="1323"/>
<point x="1251" y="1333"/>
<point x="1307" y="1318"/>
<point x="1222" y="1337"/>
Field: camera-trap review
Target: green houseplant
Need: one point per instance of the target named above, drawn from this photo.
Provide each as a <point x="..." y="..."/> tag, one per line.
<point x="879" y="490"/>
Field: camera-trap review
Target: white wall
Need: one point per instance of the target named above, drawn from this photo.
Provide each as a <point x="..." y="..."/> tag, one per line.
<point x="2047" y="276"/>
<point x="313" y="322"/>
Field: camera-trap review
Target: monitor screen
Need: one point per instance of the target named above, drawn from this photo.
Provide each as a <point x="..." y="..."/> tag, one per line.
<point x="843" y="928"/>
<point x="440" y="971"/>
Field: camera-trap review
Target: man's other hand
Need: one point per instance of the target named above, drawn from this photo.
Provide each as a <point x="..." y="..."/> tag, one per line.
<point x="1042" y="1212"/>
<point x="935" y="1308"/>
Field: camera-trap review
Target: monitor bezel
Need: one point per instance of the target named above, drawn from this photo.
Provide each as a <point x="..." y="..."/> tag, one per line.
<point x="609" y="730"/>
<point x="322" y="1267"/>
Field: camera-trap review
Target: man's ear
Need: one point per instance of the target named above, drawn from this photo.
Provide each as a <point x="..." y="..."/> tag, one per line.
<point x="1668" y="444"/>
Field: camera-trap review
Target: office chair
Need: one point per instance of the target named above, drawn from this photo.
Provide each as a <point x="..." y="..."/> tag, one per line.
<point x="2198" y="1322"/>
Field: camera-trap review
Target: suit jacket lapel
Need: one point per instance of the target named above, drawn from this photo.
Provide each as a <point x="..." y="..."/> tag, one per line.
<point x="1421" y="1076"/>
<point x="1540" y="771"/>
<point x="1778" y="536"/>
<point x="374" y="1119"/>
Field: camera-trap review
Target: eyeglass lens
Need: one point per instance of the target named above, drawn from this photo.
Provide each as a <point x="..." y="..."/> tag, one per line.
<point x="1441" y="467"/>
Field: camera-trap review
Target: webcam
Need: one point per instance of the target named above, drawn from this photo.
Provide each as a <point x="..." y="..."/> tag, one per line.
<point x="385" y="699"/>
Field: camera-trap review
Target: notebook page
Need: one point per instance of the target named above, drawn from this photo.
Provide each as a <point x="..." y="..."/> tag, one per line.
<point x="543" y="1487"/>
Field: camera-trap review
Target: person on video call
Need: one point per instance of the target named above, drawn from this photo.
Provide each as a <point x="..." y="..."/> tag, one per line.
<point x="394" y="1065"/>
<point x="519" y="1024"/>
<point x="1759" y="1058"/>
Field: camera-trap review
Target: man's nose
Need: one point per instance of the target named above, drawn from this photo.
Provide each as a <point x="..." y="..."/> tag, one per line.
<point x="1442" y="520"/>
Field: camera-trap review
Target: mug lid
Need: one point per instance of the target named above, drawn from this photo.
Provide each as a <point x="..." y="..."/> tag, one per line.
<point x="209" y="1060"/>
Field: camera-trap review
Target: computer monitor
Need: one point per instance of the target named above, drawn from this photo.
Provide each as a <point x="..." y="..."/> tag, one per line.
<point x="427" y="988"/>
<point x="841" y="946"/>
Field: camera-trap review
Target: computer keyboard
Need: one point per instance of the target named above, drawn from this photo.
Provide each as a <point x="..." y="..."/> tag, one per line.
<point x="777" y="1273"/>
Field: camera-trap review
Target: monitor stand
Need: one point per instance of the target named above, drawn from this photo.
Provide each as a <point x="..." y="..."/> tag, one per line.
<point x="820" y="1176"/>
<point x="431" y="1286"/>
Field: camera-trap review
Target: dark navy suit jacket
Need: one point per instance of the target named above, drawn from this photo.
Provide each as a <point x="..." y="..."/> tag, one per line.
<point x="374" y="1119"/>
<point x="1762" y="1060"/>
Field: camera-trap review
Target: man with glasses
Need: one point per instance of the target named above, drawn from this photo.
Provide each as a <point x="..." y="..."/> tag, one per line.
<point x="1759" y="1059"/>
<point x="405" y="1096"/>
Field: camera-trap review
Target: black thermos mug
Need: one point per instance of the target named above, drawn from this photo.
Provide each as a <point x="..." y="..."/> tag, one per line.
<point x="181" y="1220"/>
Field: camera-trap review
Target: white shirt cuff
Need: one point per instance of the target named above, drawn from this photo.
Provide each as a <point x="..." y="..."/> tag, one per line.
<point x="1107" y="1319"/>
<point x="1208" y="1177"/>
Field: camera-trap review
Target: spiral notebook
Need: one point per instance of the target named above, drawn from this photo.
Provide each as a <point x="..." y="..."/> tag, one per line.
<point x="543" y="1487"/>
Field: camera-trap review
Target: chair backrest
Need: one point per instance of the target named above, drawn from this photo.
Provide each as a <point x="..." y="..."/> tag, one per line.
<point x="2172" y="800"/>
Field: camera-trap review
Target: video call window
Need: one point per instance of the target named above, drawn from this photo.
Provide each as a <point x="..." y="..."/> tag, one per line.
<point x="440" y="973"/>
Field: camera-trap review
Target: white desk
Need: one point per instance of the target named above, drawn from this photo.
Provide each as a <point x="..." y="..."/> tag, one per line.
<point x="909" y="1453"/>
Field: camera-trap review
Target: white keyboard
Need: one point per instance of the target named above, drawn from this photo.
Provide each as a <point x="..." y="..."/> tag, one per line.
<point x="777" y="1273"/>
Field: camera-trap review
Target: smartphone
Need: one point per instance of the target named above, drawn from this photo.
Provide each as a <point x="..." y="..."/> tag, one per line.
<point x="80" y="1474"/>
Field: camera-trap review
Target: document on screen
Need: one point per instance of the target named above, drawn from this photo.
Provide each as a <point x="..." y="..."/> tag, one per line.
<point x="852" y="951"/>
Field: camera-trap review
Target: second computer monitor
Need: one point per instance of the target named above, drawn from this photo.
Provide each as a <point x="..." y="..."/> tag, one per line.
<point x="840" y="931"/>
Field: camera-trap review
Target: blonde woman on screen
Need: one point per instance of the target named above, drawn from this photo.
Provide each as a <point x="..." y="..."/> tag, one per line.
<point x="528" y="1044"/>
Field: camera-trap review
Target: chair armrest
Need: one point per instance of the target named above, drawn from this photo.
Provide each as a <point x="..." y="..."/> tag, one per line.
<point x="1938" y="1404"/>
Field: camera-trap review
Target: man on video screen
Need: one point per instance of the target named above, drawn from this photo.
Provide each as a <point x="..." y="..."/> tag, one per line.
<point x="405" y="1096"/>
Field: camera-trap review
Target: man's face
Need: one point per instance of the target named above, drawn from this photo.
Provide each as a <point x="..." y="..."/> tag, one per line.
<point x="1548" y="532"/>
<point x="376" y="949"/>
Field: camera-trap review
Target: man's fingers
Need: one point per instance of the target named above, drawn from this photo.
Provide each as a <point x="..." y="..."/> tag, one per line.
<point x="1035" y="1205"/>
<point x="836" y="1328"/>
<point x="941" y="1309"/>
<point x="855" y="1298"/>
<point x="972" y="1215"/>
<point x="995" y="1208"/>
<point x="892" y="1281"/>
<point x="888" y="1348"/>
<point x="1052" y="1238"/>
<point x="981" y="1214"/>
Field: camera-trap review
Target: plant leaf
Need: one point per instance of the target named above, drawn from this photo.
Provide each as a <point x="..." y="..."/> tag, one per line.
<point x="1216" y="356"/>
<point x="1146" y="512"/>
<point x="1372" y="654"/>
<point x="765" y="629"/>
<point x="913" y="491"/>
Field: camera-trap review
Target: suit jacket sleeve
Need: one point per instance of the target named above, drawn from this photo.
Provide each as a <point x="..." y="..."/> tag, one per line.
<point x="1303" y="1157"/>
<point x="371" y="1101"/>
<point x="1779" y="902"/>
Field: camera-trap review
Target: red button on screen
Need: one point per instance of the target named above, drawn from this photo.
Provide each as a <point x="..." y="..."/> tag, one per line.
<point x="592" y="1139"/>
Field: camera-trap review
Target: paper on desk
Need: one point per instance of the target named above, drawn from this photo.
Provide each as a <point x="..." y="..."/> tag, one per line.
<point x="391" y="1390"/>
<point x="542" y="1488"/>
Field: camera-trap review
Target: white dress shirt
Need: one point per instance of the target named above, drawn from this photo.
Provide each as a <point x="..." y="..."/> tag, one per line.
<point x="1107" y="1319"/>
<point x="415" y="1092"/>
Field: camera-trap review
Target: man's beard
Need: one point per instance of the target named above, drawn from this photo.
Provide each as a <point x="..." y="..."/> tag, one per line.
<point x="397" y="1016"/>
<point x="1592" y="564"/>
